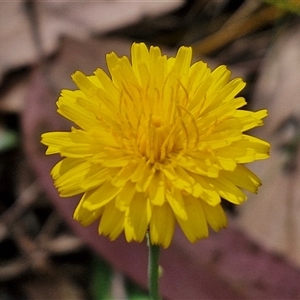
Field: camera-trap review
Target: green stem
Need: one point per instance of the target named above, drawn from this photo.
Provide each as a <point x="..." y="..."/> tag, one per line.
<point x="153" y="269"/>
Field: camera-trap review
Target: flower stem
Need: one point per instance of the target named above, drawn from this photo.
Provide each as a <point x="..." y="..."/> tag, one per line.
<point x="153" y="269"/>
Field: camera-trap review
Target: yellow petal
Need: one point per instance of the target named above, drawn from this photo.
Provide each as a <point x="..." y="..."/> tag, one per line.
<point x="157" y="189"/>
<point x="228" y="190"/>
<point x="230" y="90"/>
<point x="117" y="161"/>
<point x="99" y="197"/>
<point x="219" y="78"/>
<point x="123" y="199"/>
<point x="137" y="218"/>
<point x="68" y="174"/>
<point x="253" y="149"/>
<point x="175" y="200"/>
<point x="74" y="176"/>
<point x="145" y="178"/>
<point x="195" y="226"/>
<point x="215" y="216"/>
<point x="199" y="163"/>
<point x="138" y="173"/>
<point x="204" y="190"/>
<point x="85" y="216"/>
<point x="139" y="54"/>
<point x="55" y="141"/>
<point x="79" y="145"/>
<point x="244" y="178"/>
<point x="249" y="119"/>
<point x="69" y="106"/>
<point x="112" y="221"/>
<point x="87" y="86"/>
<point x="162" y="225"/>
<point x="108" y="85"/>
<point x="183" y="60"/>
<point x="124" y="174"/>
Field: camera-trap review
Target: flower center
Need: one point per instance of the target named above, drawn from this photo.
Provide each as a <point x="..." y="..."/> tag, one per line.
<point x="156" y="126"/>
<point x="155" y="139"/>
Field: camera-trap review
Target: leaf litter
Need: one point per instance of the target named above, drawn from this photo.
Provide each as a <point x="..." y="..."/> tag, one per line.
<point x="38" y="249"/>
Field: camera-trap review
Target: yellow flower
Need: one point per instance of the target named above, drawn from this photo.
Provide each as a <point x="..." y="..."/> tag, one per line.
<point x="157" y="143"/>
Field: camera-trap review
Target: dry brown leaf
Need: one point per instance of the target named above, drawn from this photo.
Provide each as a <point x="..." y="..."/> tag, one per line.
<point x="273" y="216"/>
<point x="79" y="19"/>
<point x="17" y="46"/>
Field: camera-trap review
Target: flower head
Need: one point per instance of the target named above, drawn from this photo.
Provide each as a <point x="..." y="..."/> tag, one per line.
<point x="158" y="142"/>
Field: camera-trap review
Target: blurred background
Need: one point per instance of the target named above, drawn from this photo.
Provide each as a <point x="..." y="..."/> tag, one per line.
<point x="44" y="254"/>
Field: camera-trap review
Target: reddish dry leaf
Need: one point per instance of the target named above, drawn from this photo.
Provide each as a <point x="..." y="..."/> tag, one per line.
<point x="227" y="265"/>
<point x="14" y="36"/>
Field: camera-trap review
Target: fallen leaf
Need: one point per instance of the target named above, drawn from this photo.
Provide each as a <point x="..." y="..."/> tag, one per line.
<point x="272" y="217"/>
<point x="225" y="266"/>
<point x="47" y="21"/>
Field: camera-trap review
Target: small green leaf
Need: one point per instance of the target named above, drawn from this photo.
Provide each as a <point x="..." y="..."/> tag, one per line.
<point x="8" y="139"/>
<point x="101" y="288"/>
